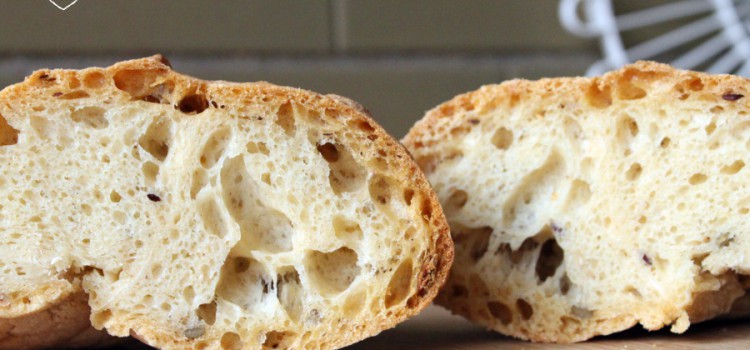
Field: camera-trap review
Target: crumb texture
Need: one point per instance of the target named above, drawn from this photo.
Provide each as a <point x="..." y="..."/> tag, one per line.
<point x="208" y="215"/>
<point x="583" y="206"/>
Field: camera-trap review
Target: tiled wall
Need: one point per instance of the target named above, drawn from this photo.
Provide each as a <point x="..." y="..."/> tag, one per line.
<point x="397" y="57"/>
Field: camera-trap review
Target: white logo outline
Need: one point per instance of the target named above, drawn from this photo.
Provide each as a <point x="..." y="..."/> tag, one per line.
<point x="63" y="8"/>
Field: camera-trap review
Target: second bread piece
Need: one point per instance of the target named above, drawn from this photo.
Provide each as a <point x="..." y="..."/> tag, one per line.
<point x="584" y="206"/>
<point x="205" y="215"/>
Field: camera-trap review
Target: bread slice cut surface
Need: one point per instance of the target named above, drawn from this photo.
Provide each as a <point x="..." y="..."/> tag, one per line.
<point x="584" y="206"/>
<point x="205" y="215"/>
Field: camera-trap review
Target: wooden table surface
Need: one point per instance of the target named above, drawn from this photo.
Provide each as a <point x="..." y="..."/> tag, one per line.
<point x="436" y="329"/>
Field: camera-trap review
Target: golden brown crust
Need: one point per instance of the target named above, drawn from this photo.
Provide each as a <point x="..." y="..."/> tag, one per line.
<point x="151" y="79"/>
<point x="454" y="118"/>
<point x="600" y="92"/>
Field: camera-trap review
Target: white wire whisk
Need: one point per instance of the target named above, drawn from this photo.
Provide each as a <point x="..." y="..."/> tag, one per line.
<point x="720" y="33"/>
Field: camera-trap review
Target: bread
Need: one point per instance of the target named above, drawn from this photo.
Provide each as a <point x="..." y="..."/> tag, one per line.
<point x="584" y="206"/>
<point x="205" y="215"/>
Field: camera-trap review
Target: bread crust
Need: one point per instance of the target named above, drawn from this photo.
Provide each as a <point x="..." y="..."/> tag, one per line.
<point x="370" y="138"/>
<point x="63" y="323"/>
<point x="453" y="119"/>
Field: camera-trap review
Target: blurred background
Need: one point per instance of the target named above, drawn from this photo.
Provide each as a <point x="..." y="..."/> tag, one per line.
<point x="399" y="58"/>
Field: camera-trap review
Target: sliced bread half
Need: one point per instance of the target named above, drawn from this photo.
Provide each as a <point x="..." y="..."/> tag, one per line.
<point x="205" y="215"/>
<point x="584" y="206"/>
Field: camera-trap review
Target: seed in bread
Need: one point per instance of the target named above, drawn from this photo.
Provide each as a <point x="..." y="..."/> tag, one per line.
<point x="584" y="206"/>
<point x="205" y="215"/>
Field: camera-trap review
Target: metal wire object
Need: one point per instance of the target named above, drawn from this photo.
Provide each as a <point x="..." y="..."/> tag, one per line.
<point x="714" y="38"/>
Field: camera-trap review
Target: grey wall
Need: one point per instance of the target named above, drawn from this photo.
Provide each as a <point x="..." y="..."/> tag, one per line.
<point x="397" y="57"/>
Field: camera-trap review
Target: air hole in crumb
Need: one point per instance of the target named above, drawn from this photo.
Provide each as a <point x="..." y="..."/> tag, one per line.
<point x="73" y="95"/>
<point x="456" y="201"/>
<point x="101" y="318"/>
<point x="193" y="104"/>
<point x="214" y="148"/>
<point x="550" y="258"/>
<point x="290" y="293"/>
<point x="261" y="227"/>
<point x="524" y="308"/>
<point x="136" y="82"/>
<point x="246" y="288"/>
<point x="565" y="284"/>
<point x="241" y="264"/>
<point x="710" y="128"/>
<point x="157" y="138"/>
<point x="408" y="195"/>
<point x="188" y="293"/>
<point x="332" y="273"/>
<point x="156" y="270"/>
<point x="212" y="217"/>
<point x="346" y="230"/>
<point x="626" y="90"/>
<point x="285" y="118"/>
<point x="279" y="340"/>
<point x="537" y="185"/>
<point x="634" y="172"/>
<point x="365" y="126"/>
<point x="633" y="291"/>
<point x="199" y="181"/>
<point x="194" y="332"/>
<point x="579" y="194"/>
<point x="257" y="147"/>
<point x="387" y="194"/>
<point x="231" y="341"/>
<point x="8" y="135"/>
<point x="92" y="117"/>
<point x="502" y="139"/>
<point x="695" y="84"/>
<point x="733" y="168"/>
<point x="150" y="172"/>
<point x="353" y="305"/>
<point x="581" y="313"/>
<point x="475" y="239"/>
<point x="115" y="197"/>
<point x="329" y="152"/>
<point x="42" y="126"/>
<point x="500" y="311"/>
<point x="346" y="174"/>
<point x="627" y="130"/>
<point x="45" y="77"/>
<point x="161" y="93"/>
<point x="94" y="80"/>
<point x="425" y="208"/>
<point x="599" y="95"/>
<point x="697" y="179"/>
<point x="400" y="285"/>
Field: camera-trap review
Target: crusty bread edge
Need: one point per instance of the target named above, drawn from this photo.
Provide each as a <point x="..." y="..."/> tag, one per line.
<point x="437" y="260"/>
<point x="448" y="120"/>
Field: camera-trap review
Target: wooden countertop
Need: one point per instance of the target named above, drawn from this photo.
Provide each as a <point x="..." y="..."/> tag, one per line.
<point x="436" y="329"/>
